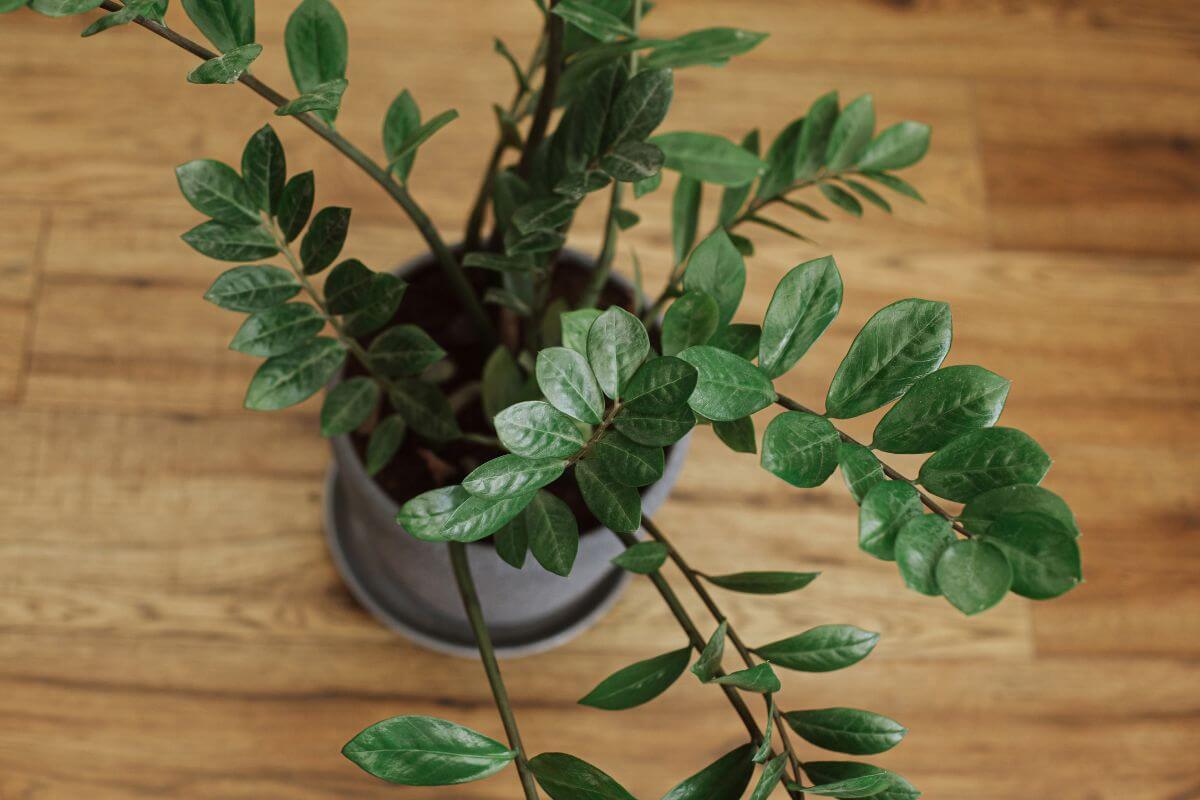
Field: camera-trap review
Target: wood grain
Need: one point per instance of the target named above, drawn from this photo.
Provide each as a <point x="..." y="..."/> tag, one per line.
<point x="170" y="625"/>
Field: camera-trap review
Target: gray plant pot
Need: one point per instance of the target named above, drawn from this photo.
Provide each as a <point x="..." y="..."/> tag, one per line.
<point x="408" y="585"/>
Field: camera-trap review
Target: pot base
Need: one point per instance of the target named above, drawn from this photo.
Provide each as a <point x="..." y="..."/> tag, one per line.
<point x="401" y="608"/>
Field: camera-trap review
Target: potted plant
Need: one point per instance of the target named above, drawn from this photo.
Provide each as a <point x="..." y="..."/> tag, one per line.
<point x="507" y="414"/>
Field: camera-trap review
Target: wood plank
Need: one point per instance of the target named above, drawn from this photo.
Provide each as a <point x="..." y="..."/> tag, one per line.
<point x="21" y="237"/>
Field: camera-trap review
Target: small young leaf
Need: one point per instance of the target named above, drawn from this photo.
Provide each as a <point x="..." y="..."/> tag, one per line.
<point x="1044" y="555"/>
<point x="565" y="777"/>
<point x="940" y="407"/>
<point x="973" y="575"/>
<point x="632" y="161"/>
<point x="709" y="158"/>
<point x="717" y="269"/>
<point x="401" y="121"/>
<point x="565" y="378"/>
<point x="728" y="387"/>
<point x="510" y="475"/>
<point x="426" y="751"/>
<point x="404" y="350"/>
<point x="759" y="678"/>
<point x="691" y="319"/>
<point x="226" y="23"/>
<point x="536" y="429"/>
<point x="348" y="405"/>
<point x="325" y="238"/>
<point x="724" y="779"/>
<point x="617" y="506"/>
<point x="317" y="48"/>
<point x="822" y="649"/>
<point x="625" y="218"/>
<point x="384" y="442"/>
<point x="552" y="532"/>
<point x="763" y="753"/>
<point x="846" y="730"/>
<point x="763" y="582"/>
<point x="841" y="198"/>
<point x="642" y="558"/>
<point x="324" y="98"/>
<point x="227" y="68"/>
<point x="805" y="302"/>
<point x="654" y="427"/>
<point x="919" y="544"/>
<point x="870" y="195"/>
<point x="640" y="107"/>
<point x="685" y="216"/>
<point x="407" y="149"/>
<point x="818" y="125"/>
<point x="592" y="19"/>
<point x="264" y="169"/>
<point x="884" y="511"/>
<point x="544" y="214"/>
<point x="851" y="134"/>
<point x="895" y="184"/>
<point x="770" y="777"/>
<point x="286" y="380"/>
<point x="861" y="470"/>
<point x="646" y="186"/>
<point x="252" y="288"/>
<point x="800" y="448"/>
<point x="738" y="435"/>
<point x="425" y="515"/>
<point x="901" y="343"/>
<point x="899" y="146"/>
<point x="711" y="46"/>
<point x="638" y="683"/>
<point x="617" y="345"/>
<point x="424" y="408"/>
<point x="625" y="461"/>
<point x="982" y="460"/>
<point x="984" y="509"/>
<point x="217" y="190"/>
<point x="296" y="205"/>
<point x="709" y="663"/>
<point x="277" y="330"/>
<point x="824" y="772"/>
<point x="348" y="287"/>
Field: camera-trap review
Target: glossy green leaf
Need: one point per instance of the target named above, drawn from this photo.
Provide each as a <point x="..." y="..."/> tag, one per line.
<point x="734" y="197"/>
<point x="640" y="107"/>
<point x="782" y="160"/>
<point x="226" y="23"/>
<point x="899" y="146"/>
<point x="821" y="649"/>
<point x="764" y="751"/>
<point x="348" y="405"/>
<point x="825" y="772"/>
<point x="660" y="384"/>
<point x="325" y="99"/>
<point x="227" y="68"/>
<point x="575" y="327"/>
<point x="217" y="190"/>
<point x="841" y="198"/>
<point x="424" y="408"/>
<point x="642" y="558"/>
<point x="264" y="169"/>
<point x="1044" y="555"/>
<point x="851" y="134"/>
<point x="286" y="380"/>
<point x="901" y="343"/>
<point x="655" y="427"/>
<point x="738" y="434"/>
<point x="805" y="302"/>
<point x="565" y="378"/>
<point x="544" y="214"/>
<point x="861" y="470"/>
<point x="982" y="460"/>
<point x="763" y="582"/>
<point x="818" y="125"/>
<point x="382" y="299"/>
<point x="717" y="269"/>
<point x="426" y="751"/>
<point x="325" y="238"/>
<point x="770" y="777"/>
<point x="252" y="288"/>
<point x="846" y="730"/>
<point x="625" y="461"/>
<point x="348" y="287"/>
<point x="724" y="779"/>
<point x="536" y="429"/>
<point x="277" y="330"/>
<point x="638" y="683"/>
<point x="708" y="665"/>
<point x="728" y="387"/>
<point x="504" y="384"/>
<point x="617" y="345"/>
<point x="919" y="544"/>
<point x="592" y="19"/>
<point x="740" y="338"/>
<point x="866" y="785"/>
<point x="231" y="242"/>
<point x="982" y="511"/>
<point x="296" y="205"/>
<point x="940" y="407"/>
<point x="800" y="448"/>
<point x="317" y="47"/>
<point x="425" y="515"/>
<point x="403" y="118"/>
<point x="685" y="216"/>
<point x="973" y="575"/>
<point x="617" y="506"/>
<point x="711" y="46"/>
<point x="510" y="475"/>
<point x="760" y="678"/>
<point x="632" y="161"/>
<point x="479" y="517"/>
<point x="63" y="8"/>
<point x="691" y="319"/>
<point x="646" y="186"/>
<point x="883" y="512"/>
<point x="406" y="151"/>
<point x="867" y="193"/>
<point x="895" y="184"/>
<point x="565" y="777"/>
<point x="384" y="443"/>
<point x="404" y="350"/>
<point x="709" y="158"/>
<point x="552" y="532"/>
<point x="8" y="6"/>
<point x="512" y="543"/>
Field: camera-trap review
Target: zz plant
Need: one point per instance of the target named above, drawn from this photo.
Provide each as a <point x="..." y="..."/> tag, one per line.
<point x="590" y="392"/>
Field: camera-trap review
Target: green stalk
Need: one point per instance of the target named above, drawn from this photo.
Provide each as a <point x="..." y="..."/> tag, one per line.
<point x="470" y="598"/>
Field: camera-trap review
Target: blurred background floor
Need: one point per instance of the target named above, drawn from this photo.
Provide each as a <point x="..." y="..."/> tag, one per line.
<point x="170" y="625"/>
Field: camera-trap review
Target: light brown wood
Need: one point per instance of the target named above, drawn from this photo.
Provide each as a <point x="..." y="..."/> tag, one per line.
<point x="170" y="625"/>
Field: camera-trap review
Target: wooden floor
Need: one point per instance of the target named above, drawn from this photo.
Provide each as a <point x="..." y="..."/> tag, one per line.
<point x="170" y="624"/>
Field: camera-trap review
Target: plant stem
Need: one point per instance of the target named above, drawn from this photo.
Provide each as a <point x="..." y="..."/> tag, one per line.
<point x="399" y="193"/>
<point x="706" y="597"/>
<point x="548" y="94"/>
<point x="470" y="598"/>
<point x="892" y="473"/>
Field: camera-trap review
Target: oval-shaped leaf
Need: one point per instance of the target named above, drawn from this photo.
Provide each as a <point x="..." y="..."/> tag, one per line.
<point x="348" y="287"/>
<point x="846" y="730"/>
<point x="805" y="302"/>
<point x="264" y="168"/>
<point x="638" y="683"/>
<point x="426" y="751"/>
<point x="867" y="785"/>
<point x="404" y="350"/>
<point x="685" y="215"/>
<point x="575" y="327"/>
<point x="317" y="47"/>
<point x="617" y="345"/>
<point x="277" y="330"/>
<point x="325" y="238"/>
<point x="512" y="543"/>
<point x="825" y="772"/>
<point x="724" y="779"/>
<point x="919" y="544"/>
<point x="660" y="384"/>
<point x="818" y="124"/>
<point x="741" y="339"/>
<point x="226" y="23"/>
<point x="296" y="205"/>
<point x="738" y="435"/>
<point x="763" y="582"/>
<point x="616" y="505"/>
<point x="325" y="98"/>
<point x="62" y="8"/>
<point x="940" y="407"/>
<point x="402" y="120"/>
<point x="851" y="134"/>
<point x="861" y="470"/>
<point x="728" y="387"/>
<point x="479" y="517"/>
<point x="217" y="190"/>
<point x="565" y="378"/>
<point x="896" y="147"/>
<point x="899" y="344"/>
<point x="713" y="46"/>
<point x="692" y="319"/>
<point x="231" y="242"/>
<point x="348" y="405"/>
<point x="800" y="448"/>
<point x="625" y="461"/>
<point x="227" y="68"/>
<point x="717" y="269"/>
<point x="759" y="678"/>
<point x="770" y="777"/>
<point x="708" y="665"/>
<point x="655" y="428"/>
<point x="821" y="649"/>
<point x="424" y="408"/>
<point x="973" y="575"/>
<point x="884" y="511"/>
<point x="642" y="558"/>
<point x="632" y="161"/>
<point x="511" y="475"/>
<point x="551" y="531"/>
<point x="425" y="515"/>
<point x="984" y="509"/>
<point x="983" y="460"/>
<point x="385" y="440"/>
<point x="285" y="380"/>
<point x="382" y="299"/>
<point x="709" y="158"/>
<point x="252" y="288"/>
<point x="1044" y="556"/>
<point x="640" y="107"/>
<point x="538" y="430"/>
<point x="566" y="777"/>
